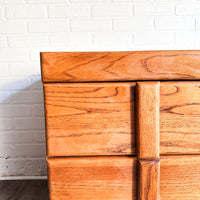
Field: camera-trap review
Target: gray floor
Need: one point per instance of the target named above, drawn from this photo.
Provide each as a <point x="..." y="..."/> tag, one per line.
<point x="24" y="190"/>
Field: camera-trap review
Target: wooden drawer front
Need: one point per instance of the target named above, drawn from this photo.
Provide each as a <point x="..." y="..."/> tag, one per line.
<point x="115" y="178"/>
<point x="180" y="117"/>
<point x="99" y="119"/>
<point x="99" y="178"/>
<point x="90" y="119"/>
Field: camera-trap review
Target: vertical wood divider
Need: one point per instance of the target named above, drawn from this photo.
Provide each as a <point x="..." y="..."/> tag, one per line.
<point x="148" y="140"/>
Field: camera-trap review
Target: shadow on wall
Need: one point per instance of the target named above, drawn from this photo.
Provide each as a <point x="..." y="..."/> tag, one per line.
<point x="22" y="128"/>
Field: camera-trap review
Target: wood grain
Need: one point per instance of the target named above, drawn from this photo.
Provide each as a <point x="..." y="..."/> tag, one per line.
<point x="148" y="139"/>
<point x="180" y="177"/>
<point x="149" y="179"/>
<point x="120" y="66"/>
<point x="99" y="119"/>
<point x="180" y="117"/>
<point x="90" y="119"/>
<point x="92" y="178"/>
<point x="114" y="178"/>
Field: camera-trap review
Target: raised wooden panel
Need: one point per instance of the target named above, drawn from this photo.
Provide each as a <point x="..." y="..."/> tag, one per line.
<point x="180" y="177"/>
<point x="92" y="178"/>
<point x="148" y="140"/>
<point x="90" y="119"/>
<point x="149" y="179"/>
<point x="99" y="118"/>
<point x="180" y="117"/>
<point x="115" y="178"/>
<point x="120" y="66"/>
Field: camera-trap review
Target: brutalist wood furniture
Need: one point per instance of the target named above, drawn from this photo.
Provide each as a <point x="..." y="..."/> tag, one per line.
<point x="122" y="125"/>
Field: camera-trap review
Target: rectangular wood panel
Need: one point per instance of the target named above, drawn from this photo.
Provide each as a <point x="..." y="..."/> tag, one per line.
<point x="149" y="179"/>
<point x="92" y="178"/>
<point x="180" y="177"/>
<point x="90" y="119"/>
<point x="180" y="117"/>
<point x="99" y="118"/>
<point x="148" y="140"/>
<point x="120" y="66"/>
<point x="115" y="178"/>
<point x="148" y="120"/>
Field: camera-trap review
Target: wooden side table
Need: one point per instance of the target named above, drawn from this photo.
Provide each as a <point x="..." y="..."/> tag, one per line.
<point x="122" y="125"/>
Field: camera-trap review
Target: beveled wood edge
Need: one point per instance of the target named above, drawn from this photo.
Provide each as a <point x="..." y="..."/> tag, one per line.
<point x="148" y="140"/>
<point x="149" y="179"/>
<point x="148" y="111"/>
<point x="187" y="59"/>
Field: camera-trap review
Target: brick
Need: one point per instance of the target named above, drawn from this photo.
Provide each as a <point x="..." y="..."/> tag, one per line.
<point x="28" y="41"/>
<point x="74" y="39"/>
<point x="4" y="69"/>
<point x="37" y="110"/>
<point x="22" y="166"/>
<point x="77" y="10"/>
<point x="13" y="54"/>
<point x="90" y="24"/>
<point x="25" y="11"/>
<point x="35" y="52"/>
<point x="68" y="10"/>
<point x="60" y="39"/>
<point x="80" y="39"/>
<point x="12" y="1"/>
<point x="14" y="83"/>
<point x="20" y="69"/>
<point x="187" y="37"/>
<point x="9" y="137"/>
<point x="134" y="24"/>
<point x="154" y="8"/>
<point x="29" y="123"/>
<point x="39" y="136"/>
<point x="198" y="23"/>
<point x="22" y="136"/>
<point x="188" y="9"/>
<point x="176" y="1"/>
<point x="22" y="150"/>
<point x="153" y="37"/>
<point x="166" y="47"/>
<point x="15" y="27"/>
<point x="36" y="83"/>
<point x="46" y="1"/>
<point x="4" y="97"/>
<point x="3" y="42"/>
<point x="28" y="97"/>
<point x="5" y="124"/>
<point x="175" y="23"/>
<point x="20" y="83"/>
<point x="89" y="1"/>
<point x="14" y="110"/>
<point x="46" y="26"/>
<point x="112" y="9"/>
<point x="134" y="0"/>
<point x="113" y="39"/>
<point x="2" y="12"/>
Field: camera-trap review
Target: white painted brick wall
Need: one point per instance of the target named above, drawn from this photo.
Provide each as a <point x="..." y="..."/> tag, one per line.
<point x="154" y="8"/>
<point x="136" y="23"/>
<point x="90" y="24"/>
<point x="112" y="9"/>
<point x="26" y="11"/>
<point x="64" y="10"/>
<point x="30" y="26"/>
<point x="48" y="26"/>
<point x="175" y="23"/>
